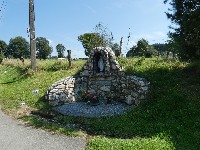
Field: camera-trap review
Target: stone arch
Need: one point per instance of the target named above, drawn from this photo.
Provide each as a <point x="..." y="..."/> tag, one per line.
<point x="111" y="85"/>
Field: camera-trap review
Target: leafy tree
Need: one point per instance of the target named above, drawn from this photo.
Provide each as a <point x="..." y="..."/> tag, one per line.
<point x="43" y="48"/>
<point x="131" y="52"/>
<point x="116" y="48"/>
<point x="185" y="15"/>
<point x="173" y="47"/>
<point x="3" y="47"/>
<point x="99" y="38"/>
<point x="90" y="41"/>
<point x="60" y="49"/>
<point x="161" y="48"/>
<point x="18" y="47"/>
<point x="106" y="36"/>
<point x="141" y="49"/>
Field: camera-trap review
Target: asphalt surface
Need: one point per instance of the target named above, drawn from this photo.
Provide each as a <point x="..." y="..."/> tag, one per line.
<point x="16" y="136"/>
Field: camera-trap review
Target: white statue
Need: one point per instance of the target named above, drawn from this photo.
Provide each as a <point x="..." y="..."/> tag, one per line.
<point x="100" y="64"/>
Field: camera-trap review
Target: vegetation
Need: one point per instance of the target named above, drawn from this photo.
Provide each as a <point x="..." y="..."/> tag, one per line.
<point x="60" y="49"/>
<point x="184" y="14"/>
<point x="142" y="49"/>
<point x="168" y="119"/>
<point x="116" y="49"/>
<point x="3" y="47"/>
<point x="18" y="47"/>
<point x="99" y="38"/>
<point x="90" y="41"/>
<point x="43" y="48"/>
<point x="161" y="48"/>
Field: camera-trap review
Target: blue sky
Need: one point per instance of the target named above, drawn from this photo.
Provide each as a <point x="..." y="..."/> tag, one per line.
<point x="62" y="21"/>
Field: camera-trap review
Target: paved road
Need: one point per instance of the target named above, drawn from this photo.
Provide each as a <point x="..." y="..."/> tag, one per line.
<point x="15" y="136"/>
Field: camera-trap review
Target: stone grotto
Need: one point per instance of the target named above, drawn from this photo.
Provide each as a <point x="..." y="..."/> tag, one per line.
<point x="103" y="75"/>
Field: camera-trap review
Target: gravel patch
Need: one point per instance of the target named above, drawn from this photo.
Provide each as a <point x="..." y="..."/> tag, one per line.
<point x="85" y="110"/>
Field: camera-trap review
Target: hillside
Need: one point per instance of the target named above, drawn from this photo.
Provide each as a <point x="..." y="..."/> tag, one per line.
<point x="168" y="119"/>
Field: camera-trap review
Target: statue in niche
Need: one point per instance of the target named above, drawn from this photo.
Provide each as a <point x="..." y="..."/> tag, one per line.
<point x="101" y="64"/>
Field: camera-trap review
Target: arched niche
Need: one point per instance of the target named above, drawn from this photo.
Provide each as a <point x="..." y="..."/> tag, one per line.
<point x="98" y="63"/>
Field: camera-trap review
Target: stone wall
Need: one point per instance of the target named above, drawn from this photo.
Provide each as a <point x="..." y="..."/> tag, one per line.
<point x="110" y="84"/>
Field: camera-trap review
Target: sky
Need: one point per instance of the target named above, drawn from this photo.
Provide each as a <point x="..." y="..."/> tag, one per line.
<point x="62" y="21"/>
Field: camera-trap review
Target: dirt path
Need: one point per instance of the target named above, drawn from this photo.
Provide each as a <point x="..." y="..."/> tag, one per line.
<point x="16" y="136"/>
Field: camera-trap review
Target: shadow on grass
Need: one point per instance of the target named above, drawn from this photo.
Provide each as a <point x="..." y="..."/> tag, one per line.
<point x="14" y="74"/>
<point x="172" y="108"/>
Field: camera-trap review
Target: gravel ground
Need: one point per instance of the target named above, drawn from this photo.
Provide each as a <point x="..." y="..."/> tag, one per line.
<point x="85" y="110"/>
<point x="15" y="136"/>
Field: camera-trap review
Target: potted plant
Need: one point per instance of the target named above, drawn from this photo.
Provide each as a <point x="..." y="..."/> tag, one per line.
<point x="90" y="97"/>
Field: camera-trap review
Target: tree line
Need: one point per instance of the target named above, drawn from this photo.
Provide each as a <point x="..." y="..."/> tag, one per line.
<point x="101" y="37"/>
<point x="19" y="47"/>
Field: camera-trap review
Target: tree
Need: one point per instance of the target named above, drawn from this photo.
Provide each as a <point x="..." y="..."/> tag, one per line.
<point x="43" y="48"/>
<point x="141" y="49"/>
<point x="116" y="49"/>
<point x="185" y="14"/>
<point x="99" y="38"/>
<point x="90" y="41"/>
<point x="172" y="46"/>
<point x="18" y="47"/>
<point x="60" y="49"/>
<point x="3" y="47"/>
<point x="131" y="52"/>
<point x="161" y="48"/>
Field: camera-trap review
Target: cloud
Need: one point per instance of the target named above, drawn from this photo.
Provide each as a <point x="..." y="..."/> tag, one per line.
<point x="92" y="10"/>
<point x="154" y="37"/>
<point x="121" y="4"/>
<point x="51" y="43"/>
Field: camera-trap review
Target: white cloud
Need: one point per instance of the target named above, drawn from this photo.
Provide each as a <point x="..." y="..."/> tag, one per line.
<point x="51" y="43"/>
<point x="154" y="37"/>
<point x="92" y="10"/>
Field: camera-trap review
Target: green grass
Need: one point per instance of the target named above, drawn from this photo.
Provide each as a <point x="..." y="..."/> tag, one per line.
<point x="167" y="119"/>
<point x="18" y="83"/>
<point x="160" y="142"/>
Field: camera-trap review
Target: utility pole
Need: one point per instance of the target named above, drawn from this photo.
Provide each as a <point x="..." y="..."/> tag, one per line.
<point x="32" y="34"/>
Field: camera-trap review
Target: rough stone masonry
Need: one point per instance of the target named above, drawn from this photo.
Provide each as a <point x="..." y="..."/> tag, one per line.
<point x="103" y="75"/>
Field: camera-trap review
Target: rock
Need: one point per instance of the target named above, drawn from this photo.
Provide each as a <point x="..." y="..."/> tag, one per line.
<point x="129" y="100"/>
<point x="62" y="86"/>
<point x="110" y="83"/>
<point x="105" y="89"/>
<point x="144" y="88"/>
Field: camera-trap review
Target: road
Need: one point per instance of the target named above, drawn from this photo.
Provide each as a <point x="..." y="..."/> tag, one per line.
<point x="16" y="136"/>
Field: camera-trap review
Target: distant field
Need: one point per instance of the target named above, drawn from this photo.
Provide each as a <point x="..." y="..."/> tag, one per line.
<point x="168" y="119"/>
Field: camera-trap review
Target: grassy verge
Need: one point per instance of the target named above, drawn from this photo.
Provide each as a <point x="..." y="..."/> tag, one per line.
<point x="17" y="83"/>
<point x="168" y="119"/>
